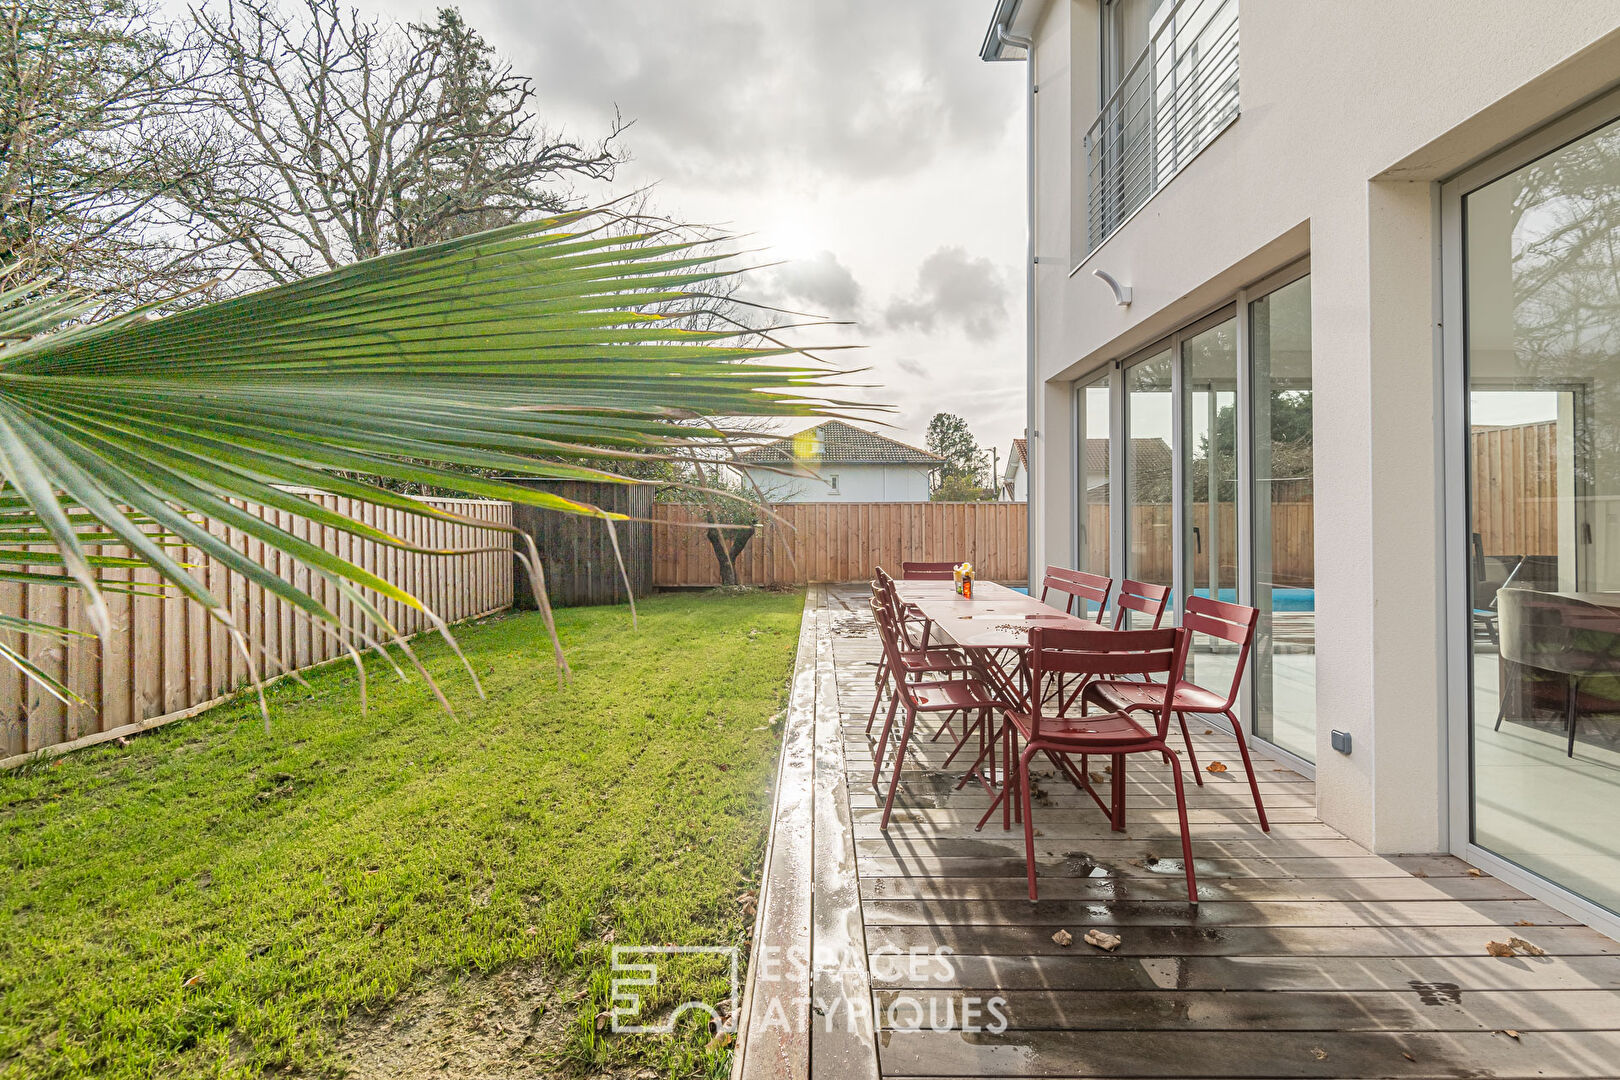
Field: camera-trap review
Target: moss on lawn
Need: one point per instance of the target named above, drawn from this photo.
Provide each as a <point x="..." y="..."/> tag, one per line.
<point x="215" y="901"/>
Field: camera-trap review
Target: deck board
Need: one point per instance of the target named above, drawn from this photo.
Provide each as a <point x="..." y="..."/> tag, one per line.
<point x="1308" y="956"/>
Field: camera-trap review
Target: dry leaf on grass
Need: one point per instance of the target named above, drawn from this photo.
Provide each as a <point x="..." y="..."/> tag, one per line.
<point x="1498" y="948"/>
<point x="1064" y="938"/>
<point x="722" y="1040"/>
<point x="194" y="980"/>
<point x="603" y="1019"/>
<point x="1216" y="766"/>
<point x="1102" y="940"/>
<point x="1526" y="948"/>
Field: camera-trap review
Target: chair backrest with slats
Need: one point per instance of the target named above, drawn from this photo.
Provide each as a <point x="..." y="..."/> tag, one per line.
<point x="1107" y="655"/>
<point x="1228" y="622"/>
<point x="1140" y="596"/>
<point x="928" y="571"/>
<point x="1077" y="585"/>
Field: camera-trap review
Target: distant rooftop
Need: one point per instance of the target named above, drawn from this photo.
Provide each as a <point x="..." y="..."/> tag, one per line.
<point x="835" y="442"/>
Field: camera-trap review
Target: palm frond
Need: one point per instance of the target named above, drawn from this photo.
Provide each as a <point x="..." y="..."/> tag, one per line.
<point x="535" y="350"/>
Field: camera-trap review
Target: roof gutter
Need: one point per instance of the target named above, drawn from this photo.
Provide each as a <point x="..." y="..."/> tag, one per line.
<point x="999" y="38"/>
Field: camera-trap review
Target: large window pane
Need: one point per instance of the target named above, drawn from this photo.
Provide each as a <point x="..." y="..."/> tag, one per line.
<point x="1284" y="536"/>
<point x="1094" y="491"/>
<point x="1543" y="298"/>
<point x="1149" y="428"/>
<point x="1209" y="444"/>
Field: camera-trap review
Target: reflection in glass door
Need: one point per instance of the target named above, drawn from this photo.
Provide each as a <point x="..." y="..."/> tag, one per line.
<point x="1542" y="293"/>
<point x="1150" y="429"/>
<point x="1095" y="519"/>
<point x="1284" y="666"/>
<point x="1209" y="453"/>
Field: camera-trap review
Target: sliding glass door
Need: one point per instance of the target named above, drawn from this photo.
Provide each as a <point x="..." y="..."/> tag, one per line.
<point x="1208" y="451"/>
<point x="1284" y="541"/>
<point x="1149" y="470"/>
<point x="1095" y="523"/>
<point x="1541" y="285"/>
<point x="1218" y="498"/>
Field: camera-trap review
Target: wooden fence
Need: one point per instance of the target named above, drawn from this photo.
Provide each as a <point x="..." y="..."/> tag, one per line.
<point x="167" y="659"/>
<point x="844" y="541"/>
<point x="1515" y="481"/>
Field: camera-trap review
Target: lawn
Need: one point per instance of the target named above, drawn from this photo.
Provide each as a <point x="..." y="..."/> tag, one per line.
<point x="214" y="901"/>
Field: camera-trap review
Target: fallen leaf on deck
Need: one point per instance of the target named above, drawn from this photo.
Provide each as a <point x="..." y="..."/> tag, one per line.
<point x="1497" y="948"/>
<point x="1419" y="873"/>
<point x="1524" y="922"/>
<point x="1064" y="938"/>
<point x="1216" y="766"/>
<point x="1407" y="1056"/>
<point x="1321" y="1054"/>
<point x="1108" y="768"/>
<point x="1102" y="940"/>
<point x="1096" y="778"/>
<point x="1514" y="1035"/>
<point x="1209" y="731"/>
<point x="1474" y="871"/>
<point x="1526" y="948"/>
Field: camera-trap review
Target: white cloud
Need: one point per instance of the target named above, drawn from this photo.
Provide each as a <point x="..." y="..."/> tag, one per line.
<point x="955" y="291"/>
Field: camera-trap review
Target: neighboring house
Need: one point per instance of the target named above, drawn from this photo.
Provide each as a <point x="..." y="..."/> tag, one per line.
<point x="1015" y="481"/>
<point x="838" y="462"/>
<point x="1256" y="253"/>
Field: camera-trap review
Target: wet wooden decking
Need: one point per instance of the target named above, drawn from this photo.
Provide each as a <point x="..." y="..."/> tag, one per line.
<point x="1307" y="956"/>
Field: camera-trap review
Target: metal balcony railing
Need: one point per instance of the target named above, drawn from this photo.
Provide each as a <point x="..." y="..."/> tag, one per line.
<point x="1171" y="103"/>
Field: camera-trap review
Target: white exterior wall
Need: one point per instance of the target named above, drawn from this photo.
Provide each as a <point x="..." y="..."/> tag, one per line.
<point x="856" y="483"/>
<point x="1351" y="114"/>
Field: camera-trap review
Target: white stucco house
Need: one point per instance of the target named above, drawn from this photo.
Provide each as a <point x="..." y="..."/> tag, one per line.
<point x="1015" y="478"/>
<point x="1354" y="263"/>
<point x="839" y="462"/>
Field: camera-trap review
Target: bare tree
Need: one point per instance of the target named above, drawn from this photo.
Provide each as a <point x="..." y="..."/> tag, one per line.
<point x="338" y="138"/>
<point x="90" y="92"/>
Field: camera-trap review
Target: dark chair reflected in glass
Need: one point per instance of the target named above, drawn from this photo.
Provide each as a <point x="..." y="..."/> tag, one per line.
<point x="1575" y="637"/>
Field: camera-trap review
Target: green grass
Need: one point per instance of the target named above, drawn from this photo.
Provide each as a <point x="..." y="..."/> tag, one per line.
<point x="341" y="859"/>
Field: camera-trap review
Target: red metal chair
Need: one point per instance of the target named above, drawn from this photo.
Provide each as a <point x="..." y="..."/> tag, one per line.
<point x="1143" y="597"/>
<point x="1078" y="585"/>
<point x="1116" y="734"/>
<point x="946" y="696"/>
<point x="1227" y="622"/>
<point x="916" y="660"/>
<point x="929" y="571"/>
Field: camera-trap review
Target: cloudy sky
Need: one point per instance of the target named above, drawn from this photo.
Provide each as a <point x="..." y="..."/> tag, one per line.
<point x="863" y="141"/>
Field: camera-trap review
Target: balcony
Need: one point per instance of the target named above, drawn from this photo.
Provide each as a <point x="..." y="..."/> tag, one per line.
<point x="1171" y="102"/>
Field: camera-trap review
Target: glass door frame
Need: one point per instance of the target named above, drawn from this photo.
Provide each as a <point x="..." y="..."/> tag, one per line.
<point x="1457" y="619"/>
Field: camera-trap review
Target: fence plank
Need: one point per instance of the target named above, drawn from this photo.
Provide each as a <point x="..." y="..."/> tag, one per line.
<point x="165" y="656"/>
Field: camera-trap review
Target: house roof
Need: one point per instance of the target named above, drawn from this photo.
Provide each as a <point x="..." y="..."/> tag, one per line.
<point x="835" y="442"/>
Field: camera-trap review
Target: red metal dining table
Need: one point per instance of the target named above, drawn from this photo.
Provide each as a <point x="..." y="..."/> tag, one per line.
<point x="992" y="627"/>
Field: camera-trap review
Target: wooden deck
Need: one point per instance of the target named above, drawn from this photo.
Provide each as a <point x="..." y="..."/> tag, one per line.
<point x="1306" y="957"/>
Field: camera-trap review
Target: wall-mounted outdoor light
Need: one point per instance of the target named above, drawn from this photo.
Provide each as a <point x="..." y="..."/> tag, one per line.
<point x="1122" y="293"/>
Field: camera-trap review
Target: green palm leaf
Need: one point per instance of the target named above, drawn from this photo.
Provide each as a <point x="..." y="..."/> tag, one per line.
<point x="535" y="350"/>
